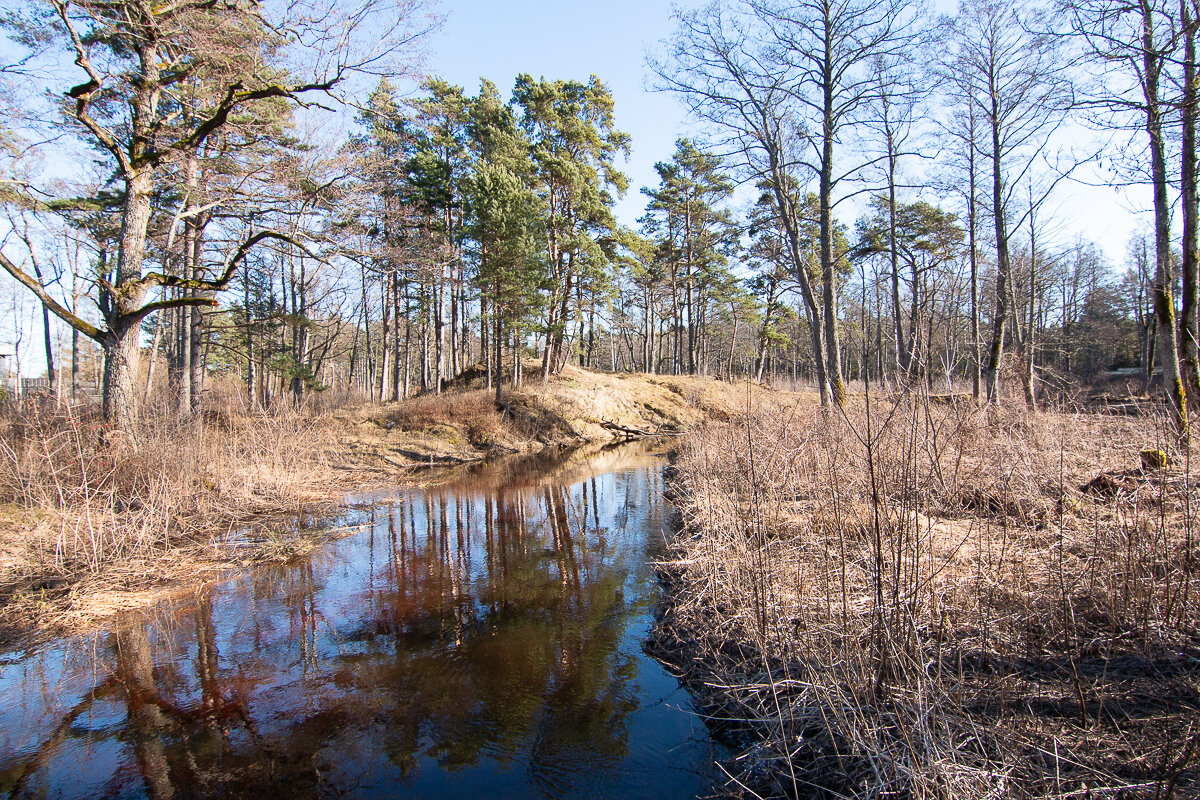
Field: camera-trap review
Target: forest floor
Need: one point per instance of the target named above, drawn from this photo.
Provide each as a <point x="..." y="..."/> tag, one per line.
<point x="939" y="600"/>
<point x="88" y="530"/>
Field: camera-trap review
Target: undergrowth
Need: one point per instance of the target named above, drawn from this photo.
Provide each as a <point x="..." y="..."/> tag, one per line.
<point x="909" y="600"/>
<point x="124" y="510"/>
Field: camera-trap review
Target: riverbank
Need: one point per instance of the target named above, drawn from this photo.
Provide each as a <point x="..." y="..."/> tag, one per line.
<point x="939" y="601"/>
<point x="478" y="638"/>
<point x="88" y="530"/>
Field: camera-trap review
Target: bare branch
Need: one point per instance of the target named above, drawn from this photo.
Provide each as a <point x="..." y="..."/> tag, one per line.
<point x="59" y="310"/>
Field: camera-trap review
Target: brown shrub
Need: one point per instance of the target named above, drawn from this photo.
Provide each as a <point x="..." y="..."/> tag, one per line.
<point x="177" y="481"/>
<point x="921" y="601"/>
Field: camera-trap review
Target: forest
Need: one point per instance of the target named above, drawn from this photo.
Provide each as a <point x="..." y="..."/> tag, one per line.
<point x="874" y="198"/>
<point x="933" y="526"/>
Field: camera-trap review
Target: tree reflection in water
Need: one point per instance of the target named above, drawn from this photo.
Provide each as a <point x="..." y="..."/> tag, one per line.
<point x="482" y="638"/>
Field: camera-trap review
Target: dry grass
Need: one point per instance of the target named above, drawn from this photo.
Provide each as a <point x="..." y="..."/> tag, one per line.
<point x="468" y="417"/>
<point x="932" y="601"/>
<point x="87" y="529"/>
<point x="92" y="523"/>
<point x="573" y="408"/>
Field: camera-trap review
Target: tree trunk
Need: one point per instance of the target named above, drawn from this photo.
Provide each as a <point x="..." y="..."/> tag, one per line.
<point x="396" y="337"/>
<point x="250" y="338"/>
<point x="121" y="353"/>
<point x="120" y="402"/>
<point x="833" y="360"/>
<point x="1028" y="373"/>
<point x="154" y="345"/>
<point x="51" y="374"/>
<point x="407" y="345"/>
<point x="902" y="360"/>
<point x="1189" y="325"/>
<point x="761" y="357"/>
<point x="439" y="330"/>
<point x="788" y="221"/>
<point x="560" y="329"/>
<point x="188" y="352"/>
<point x="183" y="344"/>
<point x="485" y="322"/>
<point x="387" y="326"/>
<point x="1164" y="304"/>
<point x="498" y="339"/>
<point x="75" y="293"/>
<point x="425" y="315"/>
<point x="196" y="359"/>
<point x="972" y="223"/>
<point x="1003" y="266"/>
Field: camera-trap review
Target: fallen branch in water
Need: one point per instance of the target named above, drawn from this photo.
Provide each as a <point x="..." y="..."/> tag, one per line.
<point x="628" y="431"/>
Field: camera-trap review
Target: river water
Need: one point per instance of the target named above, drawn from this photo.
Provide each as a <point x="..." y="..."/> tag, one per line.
<point x="479" y="639"/>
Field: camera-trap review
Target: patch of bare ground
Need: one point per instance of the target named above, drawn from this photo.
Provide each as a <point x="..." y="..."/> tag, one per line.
<point x="938" y="600"/>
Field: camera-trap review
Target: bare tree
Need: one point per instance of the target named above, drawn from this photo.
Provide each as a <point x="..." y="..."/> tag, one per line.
<point x="828" y="48"/>
<point x="901" y="87"/>
<point x="1189" y="322"/>
<point x="1016" y="82"/>
<point x="728" y="78"/>
<point x="1132" y="44"/>
<point x="135" y="58"/>
<point x="962" y="128"/>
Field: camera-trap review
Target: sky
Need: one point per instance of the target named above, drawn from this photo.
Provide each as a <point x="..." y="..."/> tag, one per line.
<point x="569" y="40"/>
<point x="578" y="38"/>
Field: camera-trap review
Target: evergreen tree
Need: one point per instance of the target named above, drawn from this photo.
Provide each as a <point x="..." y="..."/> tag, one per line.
<point x="504" y="222"/>
<point x="437" y="176"/>
<point x="695" y="234"/>
<point x="574" y="143"/>
<point x="921" y="237"/>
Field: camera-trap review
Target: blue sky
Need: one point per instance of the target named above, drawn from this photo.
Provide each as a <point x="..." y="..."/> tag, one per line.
<point x="500" y="39"/>
<point x="572" y="40"/>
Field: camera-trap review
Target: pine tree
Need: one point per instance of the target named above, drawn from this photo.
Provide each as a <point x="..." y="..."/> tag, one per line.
<point x="574" y="143"/>
<point x="694" y="234"/>
<point x="504" y="222"/>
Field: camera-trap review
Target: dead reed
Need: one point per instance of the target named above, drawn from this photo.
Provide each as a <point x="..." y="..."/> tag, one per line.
<point x="87" y="517"/>
<point x="921" y="600"/>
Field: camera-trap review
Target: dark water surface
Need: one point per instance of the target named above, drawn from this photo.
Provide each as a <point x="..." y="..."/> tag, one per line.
<point x="479" y="639"/>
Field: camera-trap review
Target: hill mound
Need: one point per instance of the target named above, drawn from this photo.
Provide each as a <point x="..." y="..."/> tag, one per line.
<point x="464" y="424"/>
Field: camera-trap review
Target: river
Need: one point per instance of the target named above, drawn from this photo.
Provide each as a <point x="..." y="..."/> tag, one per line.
<point x="481" y="638"/>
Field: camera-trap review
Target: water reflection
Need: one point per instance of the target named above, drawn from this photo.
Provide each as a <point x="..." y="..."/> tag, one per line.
<point x="478" y="639"/>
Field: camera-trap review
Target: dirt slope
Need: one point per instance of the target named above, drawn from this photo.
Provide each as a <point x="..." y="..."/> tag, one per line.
<point x="464" y="425"/>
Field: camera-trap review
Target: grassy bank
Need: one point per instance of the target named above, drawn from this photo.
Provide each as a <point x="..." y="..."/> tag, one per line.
<point x="940" y="602"/>
<point x="87" y="529"/>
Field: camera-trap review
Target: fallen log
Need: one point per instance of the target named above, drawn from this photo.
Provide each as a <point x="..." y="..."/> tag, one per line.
<point x="626" y="430"/>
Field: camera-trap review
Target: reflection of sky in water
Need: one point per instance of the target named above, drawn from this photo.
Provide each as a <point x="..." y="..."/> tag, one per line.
<point x="481" y="639"/>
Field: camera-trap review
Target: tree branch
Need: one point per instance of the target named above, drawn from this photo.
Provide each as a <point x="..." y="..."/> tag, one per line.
<point x="84" y="92"/>
<point x="175" y="302"/>
<point x="235" y="96"/>
<point x="217" y="284"/>
<point x="59" y="310"/>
